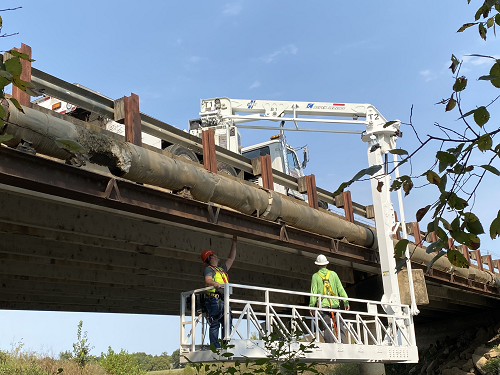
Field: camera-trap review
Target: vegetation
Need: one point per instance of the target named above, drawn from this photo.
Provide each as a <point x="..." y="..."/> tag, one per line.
<point x="492" y="366"/>
<point x="121" y="363"/>
<point x="467" y="153"/>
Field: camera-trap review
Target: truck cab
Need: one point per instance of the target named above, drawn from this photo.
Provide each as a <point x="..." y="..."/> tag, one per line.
<point x="288" y="164"/>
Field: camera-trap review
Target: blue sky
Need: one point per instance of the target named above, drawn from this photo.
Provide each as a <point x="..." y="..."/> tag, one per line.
<point x="392" y="54"/>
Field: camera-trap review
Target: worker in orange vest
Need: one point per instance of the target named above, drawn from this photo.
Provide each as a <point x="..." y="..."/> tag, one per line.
<point x="327" y="282"/>
<point x="216" y="277"/>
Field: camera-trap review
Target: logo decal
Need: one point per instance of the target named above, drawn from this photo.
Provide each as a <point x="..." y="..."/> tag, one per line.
<point x="310" y="105"/>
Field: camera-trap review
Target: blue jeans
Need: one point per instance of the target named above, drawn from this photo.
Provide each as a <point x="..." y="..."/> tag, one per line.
<point x="215" y="309"/>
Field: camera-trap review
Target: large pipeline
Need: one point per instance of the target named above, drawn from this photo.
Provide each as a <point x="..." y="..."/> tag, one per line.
<point x="419" y="255"/>
<point x="141" y="165"/>
<point x="148" y="167"/>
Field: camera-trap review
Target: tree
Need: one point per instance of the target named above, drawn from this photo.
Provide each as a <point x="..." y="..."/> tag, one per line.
<point x="121" y="363"/>
<point x="175" y="359"/>
<point x="82" y="348"/>
<point x="459" y="167"/>
<point x="10" y="73"/>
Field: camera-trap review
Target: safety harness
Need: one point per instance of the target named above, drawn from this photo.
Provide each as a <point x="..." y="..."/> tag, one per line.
<point x="220" y="277"/>
<point x="328" y="291"/>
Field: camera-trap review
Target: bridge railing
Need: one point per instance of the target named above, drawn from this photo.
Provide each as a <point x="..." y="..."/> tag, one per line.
<point x="375" y="331"/>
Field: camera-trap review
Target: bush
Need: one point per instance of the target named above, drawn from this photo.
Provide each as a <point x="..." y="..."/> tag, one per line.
<point x="121" y="363"/>
<point x="492" y="366"/>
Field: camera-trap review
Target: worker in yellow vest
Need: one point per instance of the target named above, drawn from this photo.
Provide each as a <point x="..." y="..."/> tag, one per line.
<point x="327" y="282"/>
<point x="217" y="276"/>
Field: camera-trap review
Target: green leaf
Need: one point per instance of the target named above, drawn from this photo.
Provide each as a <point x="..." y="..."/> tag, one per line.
<point x="340" y="189"/>
<point x="495" y="227"/>
<point x="407" y="186"/>
<point x="431" y="263"/>
<point x="5" y="74"/>
<point x="497" y="19"/>
<point x="227" y="355"/>
<point x="21" y="55"/>
<point x="481" y="116"/>
<point x="442" y="183"/>
<point x="435" y="246"/>
<point x="491" y="169"/>
<point x="482" y="31"/>
<point x="400" y="264"/>
<point x="465" y="26"/>
<point x="398" y="151"/>
<point x="490" y="22"/>
<point x="442" y="235"/>
<point x="486" y="78"/>
<point x="421" y="212"/>
<point x="261" y="361"/>
<point x="456" y="202"/>
<point x="457" y="259"/>
<point x="495" y="71"/>
<point x="472" y="223"/>
<point x="5" y="137"/>
<point x="70" y="145"/>
<point x="389" y="123"/>
<point x="379" y="186"/>
<point x="460" y="84"/>
<point x="400" y="248"/>
<point x="432" y="177"/>
<point x="16" y="104"/>
<point x="13" y="66"/>
<point x="453" y="66"/>
<point x="445" y="159"/>
<point x="455" y="224"/>
<point x="460" y="236"/>
<point x="1" y="21"/>
<point x="474" y="242"/>
<point x="484" y="142"/>
<point x="451" y="104"/>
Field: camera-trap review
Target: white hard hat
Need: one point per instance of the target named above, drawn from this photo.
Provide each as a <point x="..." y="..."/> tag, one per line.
<point x="321" y="260"/>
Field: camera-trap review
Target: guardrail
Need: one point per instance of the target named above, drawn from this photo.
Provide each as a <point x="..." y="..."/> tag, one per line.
<point x="114" y="109"/>
<point x="371" y="335"/>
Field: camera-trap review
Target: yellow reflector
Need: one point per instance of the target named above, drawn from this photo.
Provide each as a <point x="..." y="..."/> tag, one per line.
<point x="56" y="106"/>
<point x="275" y="137"/>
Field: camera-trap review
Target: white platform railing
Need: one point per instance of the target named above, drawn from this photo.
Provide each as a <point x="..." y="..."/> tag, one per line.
<point x="367" y="334"/>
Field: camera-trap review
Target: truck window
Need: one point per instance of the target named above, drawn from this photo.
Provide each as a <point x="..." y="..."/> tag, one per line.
<point x="292" y="159"/>
<point x="257" y="152"/>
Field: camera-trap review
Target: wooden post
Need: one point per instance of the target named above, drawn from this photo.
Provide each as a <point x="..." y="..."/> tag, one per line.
<point x="21" y="96"/>
<point x="396" y="235"/>
<point x="498" y="265"/>
<point x="465" y="250"/>
<point x="451" y="244"/>
<point x="312" y="194"/>
<point x="348" y="212"/>
<point x="209" y="156"/>
<point x="479" y="259"/>
<point x="434" y="237"/>
<point x="490" y="263"/>
<point x="416" y="234"/>
<point x="133" y="132"/>
<point x="267" y="172"/>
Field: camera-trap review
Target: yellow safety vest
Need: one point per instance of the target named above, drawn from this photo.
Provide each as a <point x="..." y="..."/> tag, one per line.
<point x="327" y="288"/>
<point x="220" y="277"/>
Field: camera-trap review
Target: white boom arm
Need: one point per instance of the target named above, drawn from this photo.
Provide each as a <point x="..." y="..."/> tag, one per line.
<point x="379" y="134"/>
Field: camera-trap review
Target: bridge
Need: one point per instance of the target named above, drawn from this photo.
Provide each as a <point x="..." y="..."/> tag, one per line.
<point x="84" y="239"/>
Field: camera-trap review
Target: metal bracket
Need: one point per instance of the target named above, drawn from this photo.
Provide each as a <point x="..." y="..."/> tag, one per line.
<point x="112" y="186"/>
<point x="214" y="218"/>
<point x="334" y="248"/>
<point x="283" y="233"/>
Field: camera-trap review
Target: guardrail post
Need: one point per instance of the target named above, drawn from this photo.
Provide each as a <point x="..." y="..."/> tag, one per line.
<point x="209" y="156"/>
<point x="266" y="172"/>
<point x="416" y="234"/>
<point x="20" y="95"/>
<point x="479" y="259"/>
<point x="489" y="261"/>
<point x="312" y="194"/>
<point x="348" y="212"/>
<point x="451" y="244"/>
<point x="133" y="133"/>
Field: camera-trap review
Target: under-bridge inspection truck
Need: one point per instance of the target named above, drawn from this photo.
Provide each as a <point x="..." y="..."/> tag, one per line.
<point x="377" y="331"/>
